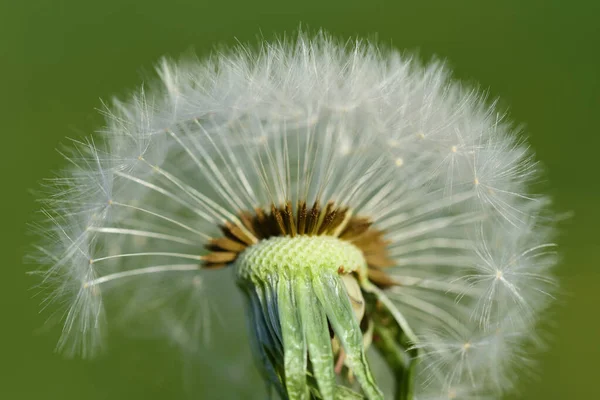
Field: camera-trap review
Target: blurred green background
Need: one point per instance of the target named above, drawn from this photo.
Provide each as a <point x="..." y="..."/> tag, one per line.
<point x="60" y="57"/>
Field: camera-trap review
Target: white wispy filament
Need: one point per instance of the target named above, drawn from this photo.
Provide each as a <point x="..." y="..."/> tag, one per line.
<point x="436" y="168"/>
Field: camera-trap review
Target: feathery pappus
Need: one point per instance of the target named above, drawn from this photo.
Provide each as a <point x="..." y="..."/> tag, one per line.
<point x="360" y="200"/>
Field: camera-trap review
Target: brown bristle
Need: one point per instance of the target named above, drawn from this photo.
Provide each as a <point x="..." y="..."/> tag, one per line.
<point x="379" y="260"/>
<point x="301" y="217"/>
<point x="327" y="220"/>
<point x="380" y="278"/>
<point x="355" y="227"/>
<point x="285" y="221"/>
<point x="235" y="232"/>
<point x="290" y="224"/>
<point x="368" y="239"/>
<point x="313" y="219"/>
<point x="341" y="218"/>
<point x="247" y="220"/>
<point x="276" y="213"/>
<point x="227" y="244"/>
<point x="217" y="257"/>
<point x="260" y="223"/>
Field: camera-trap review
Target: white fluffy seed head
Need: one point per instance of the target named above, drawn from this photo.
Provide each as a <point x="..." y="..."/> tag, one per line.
<point x="438" y="170"/>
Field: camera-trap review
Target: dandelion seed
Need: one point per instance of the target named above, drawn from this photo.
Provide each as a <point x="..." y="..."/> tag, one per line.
<point x="361" y="199"/>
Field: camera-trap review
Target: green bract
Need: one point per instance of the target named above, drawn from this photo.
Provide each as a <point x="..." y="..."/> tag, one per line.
<point x="295" y="287"/>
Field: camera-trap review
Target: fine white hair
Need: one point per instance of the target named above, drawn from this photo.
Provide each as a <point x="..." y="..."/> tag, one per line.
<point x="431" y="162"/>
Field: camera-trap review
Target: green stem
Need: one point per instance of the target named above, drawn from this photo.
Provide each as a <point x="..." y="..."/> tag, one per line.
<point x="397" y="359"/>
<point x="393" y="343"/>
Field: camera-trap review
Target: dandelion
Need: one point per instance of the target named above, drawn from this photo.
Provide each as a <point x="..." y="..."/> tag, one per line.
<point x="360" y="200"/>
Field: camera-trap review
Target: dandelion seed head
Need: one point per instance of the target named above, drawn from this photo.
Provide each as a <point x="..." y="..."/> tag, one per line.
<point x="307" y="139"/>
